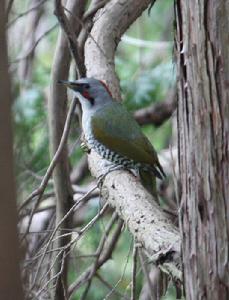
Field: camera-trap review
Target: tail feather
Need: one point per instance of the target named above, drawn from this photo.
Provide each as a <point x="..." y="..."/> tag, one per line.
<point x="161" y="170"/>
<point x="148" y="180"/>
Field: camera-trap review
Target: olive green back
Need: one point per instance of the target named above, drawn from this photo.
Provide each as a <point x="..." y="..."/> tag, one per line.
<point x="116" y="129"/>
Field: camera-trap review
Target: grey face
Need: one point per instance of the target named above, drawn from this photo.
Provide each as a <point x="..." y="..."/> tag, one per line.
<point x="94" y="93"/>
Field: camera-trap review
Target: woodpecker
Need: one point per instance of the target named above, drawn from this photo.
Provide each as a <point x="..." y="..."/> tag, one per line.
<point x="113" y="133"/>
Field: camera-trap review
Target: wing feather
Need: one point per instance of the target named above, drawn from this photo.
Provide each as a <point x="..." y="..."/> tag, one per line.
<point x="116" y="129"/>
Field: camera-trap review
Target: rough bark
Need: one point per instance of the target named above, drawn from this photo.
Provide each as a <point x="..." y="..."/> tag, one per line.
<point x="203" y="126"/>
<point x="145" y="219"/>
<point x="57" y="115"/>
<point x="10" y="283"/>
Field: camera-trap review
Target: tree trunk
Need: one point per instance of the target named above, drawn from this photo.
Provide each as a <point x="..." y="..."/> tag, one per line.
<point x="61" y="175"/>
<point x="203" y="125"/>
<point x="10" y="283"/>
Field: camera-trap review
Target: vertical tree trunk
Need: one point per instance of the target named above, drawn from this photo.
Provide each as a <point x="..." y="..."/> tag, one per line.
<point x="57" y="115"/>
<point x="203" y="125"/>
<point x="10" y="283"/>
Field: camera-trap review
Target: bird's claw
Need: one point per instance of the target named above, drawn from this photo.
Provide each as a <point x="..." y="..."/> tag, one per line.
<point x="85" y="147"/>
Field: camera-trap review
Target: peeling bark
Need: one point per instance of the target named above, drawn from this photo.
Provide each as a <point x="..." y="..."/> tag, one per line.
<point x="203" y="141"/>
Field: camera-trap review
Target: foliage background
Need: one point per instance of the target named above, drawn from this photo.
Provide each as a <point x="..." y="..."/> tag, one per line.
<point x="146" y="73"/>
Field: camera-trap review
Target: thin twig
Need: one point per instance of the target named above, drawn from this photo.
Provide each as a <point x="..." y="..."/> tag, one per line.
<point x="122" y="275"/>
<point x="93" y="9"/>
<point x="134" y="271"/>
<point x="57" y="227"/>
<point x="102" y="259"/>
<point x="89" y="34"/>
<point x="68" y="246"/>
<point x="55" y="276"/>
<point x="102" y="243"/>
<point x="85" y="292"/>
<point x="110" y="287"/>
<point x="25" y="13"/>
<point x="89" y="225"/>
<point x="35" y="44"/>
<point x="146" y="273"/>
<point x="40" y="190"/>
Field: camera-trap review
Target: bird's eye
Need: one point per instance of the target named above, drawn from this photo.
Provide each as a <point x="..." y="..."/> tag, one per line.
<point x="86" y="86"/>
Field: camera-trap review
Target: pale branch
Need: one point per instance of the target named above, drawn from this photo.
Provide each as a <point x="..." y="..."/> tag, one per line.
<point x="123" y="14"/>
<point x="145" y="219"/>
<point x="156" y="46"/>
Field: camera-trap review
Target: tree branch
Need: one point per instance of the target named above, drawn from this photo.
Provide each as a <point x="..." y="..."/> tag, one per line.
<point x="71" y="34"/>
<point x="144" y="217"/>
<point x="57" y="106"/>
<point x="158" y="113"/>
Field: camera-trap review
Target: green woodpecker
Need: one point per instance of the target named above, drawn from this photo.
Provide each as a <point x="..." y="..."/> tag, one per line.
<point x="113" y="133"/>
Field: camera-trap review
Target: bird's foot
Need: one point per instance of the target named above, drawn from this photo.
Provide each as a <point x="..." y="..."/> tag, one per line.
<point x="85" y="147"/>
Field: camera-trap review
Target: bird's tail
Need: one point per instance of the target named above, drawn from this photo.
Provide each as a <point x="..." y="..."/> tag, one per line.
<point x="148" y="180"/>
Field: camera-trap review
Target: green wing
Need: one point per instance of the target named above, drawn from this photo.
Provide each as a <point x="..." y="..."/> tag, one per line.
<point x="116" y="129"/>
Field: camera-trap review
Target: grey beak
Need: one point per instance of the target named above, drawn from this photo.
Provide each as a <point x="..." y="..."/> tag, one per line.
<point x="78" y="87"/>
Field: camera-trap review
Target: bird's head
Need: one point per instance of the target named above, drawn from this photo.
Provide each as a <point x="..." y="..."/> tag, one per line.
<point x="92" y="93"/>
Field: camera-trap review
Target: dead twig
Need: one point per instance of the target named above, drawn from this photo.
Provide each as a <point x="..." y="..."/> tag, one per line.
<point x="82" y="42"/>
<point x="146" y="273"/>
<point x="40" y="190"/>
<point x="35" y="44"/>
<point x="134" y="271"/>
<point x="23" y="13"/>
<point x="44" y="251"/>
<point x="105" y="255"/>
<point x="110" y="287"/>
